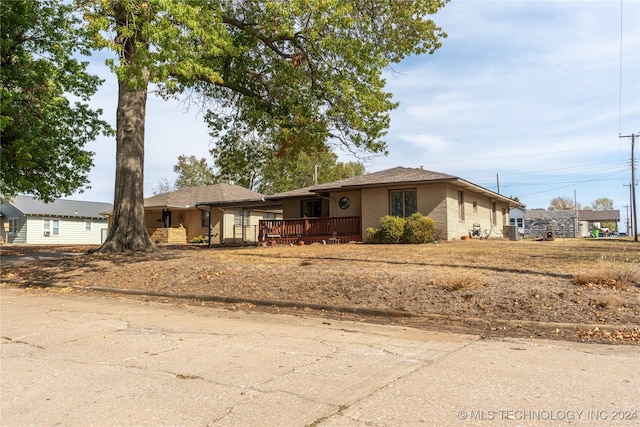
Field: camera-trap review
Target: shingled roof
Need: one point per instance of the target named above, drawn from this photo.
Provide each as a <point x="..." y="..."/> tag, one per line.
<point x="591" y="215"/>
<point x="29" y="205"/>
<point x="394" y="176"/>
<point x="190" y="196"/>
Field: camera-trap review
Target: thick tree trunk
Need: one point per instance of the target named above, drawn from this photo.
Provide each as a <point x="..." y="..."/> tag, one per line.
<point x="128" y="230"/>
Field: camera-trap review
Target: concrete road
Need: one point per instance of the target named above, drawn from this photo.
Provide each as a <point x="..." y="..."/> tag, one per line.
<point x="78" y="361"/>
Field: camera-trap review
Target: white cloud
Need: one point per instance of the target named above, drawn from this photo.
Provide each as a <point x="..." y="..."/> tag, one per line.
<point x="529" y="90"/>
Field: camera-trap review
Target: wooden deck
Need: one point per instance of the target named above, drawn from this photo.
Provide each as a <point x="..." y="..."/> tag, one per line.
<point x="311" y="230"/>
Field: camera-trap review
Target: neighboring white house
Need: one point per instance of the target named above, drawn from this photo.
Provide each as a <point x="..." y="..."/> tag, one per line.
<point x="26" y="220"/>
<point x="516" y="217"/>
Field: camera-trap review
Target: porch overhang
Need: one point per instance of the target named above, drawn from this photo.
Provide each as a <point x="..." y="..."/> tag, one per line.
<point x="242" y="204"/>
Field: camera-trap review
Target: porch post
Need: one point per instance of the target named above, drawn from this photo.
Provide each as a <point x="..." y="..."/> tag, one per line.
<point x="209" y="228"/>
<point x="243" y="232"/>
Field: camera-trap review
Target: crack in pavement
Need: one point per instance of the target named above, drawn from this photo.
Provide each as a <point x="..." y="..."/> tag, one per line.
<point x="20" y="340"/>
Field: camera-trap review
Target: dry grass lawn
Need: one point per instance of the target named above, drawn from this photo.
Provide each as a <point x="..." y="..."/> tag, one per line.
<point x="492" y="287"/>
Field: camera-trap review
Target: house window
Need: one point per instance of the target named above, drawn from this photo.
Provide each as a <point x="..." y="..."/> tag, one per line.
<point x="268" y="215"/>
<point x="475" y="207"/>
<point x="51" y="227"/>
<point x="461" y="205"/>
<point x="311" y="208"/>
<point x="237" y="218"/>
<point x="204" y="219"/>
<point x="87" y="225"/>
<point x="14" y="225"/>
<point x="403" y="203"/>
<point x="516" y="221"/>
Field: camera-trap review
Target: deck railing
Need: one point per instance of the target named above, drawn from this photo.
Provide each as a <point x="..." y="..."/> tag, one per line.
<point x="311" y="229"/>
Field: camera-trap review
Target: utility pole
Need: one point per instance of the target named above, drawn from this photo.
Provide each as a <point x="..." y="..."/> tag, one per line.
<point x="627" y="224"/>
<point x="498" y="182"/>
<point x="576" y="221"/>
<point x="634" y="211"/>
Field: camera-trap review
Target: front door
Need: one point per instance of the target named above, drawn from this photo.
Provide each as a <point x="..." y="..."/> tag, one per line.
<point x="166" y="218"/>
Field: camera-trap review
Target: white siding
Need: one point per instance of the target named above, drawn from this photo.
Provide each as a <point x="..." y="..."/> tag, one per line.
<point x="10" y="212"/>
<point x="72" y="231"/>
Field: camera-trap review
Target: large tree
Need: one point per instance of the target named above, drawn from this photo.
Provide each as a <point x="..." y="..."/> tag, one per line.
<point x="602" y="204"/>
<point x="193" y="172"/>
<point x="268" y="175"/>
<point x="42" y="132"/>
<point x="281" y="174"/>
<point x="301" y="74"/>
<point x="562" y="203"/>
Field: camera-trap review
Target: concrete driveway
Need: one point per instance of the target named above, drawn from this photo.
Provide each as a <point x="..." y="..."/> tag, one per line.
<point x="35" y="256"/>
<point x="75" y="361"/>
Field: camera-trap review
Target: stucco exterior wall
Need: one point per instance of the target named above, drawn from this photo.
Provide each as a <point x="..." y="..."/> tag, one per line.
<point x="438" y="201"/>
<point x="223" y="228"/>
<point x="431" y="200"/>
<point x="375" y="205"/>
<point x="432" y="203"/>
<point x="355" y="204"/>
<point x="153" y="219"/>
<point x="291" y="208"/>
<point x="477" y="210"/>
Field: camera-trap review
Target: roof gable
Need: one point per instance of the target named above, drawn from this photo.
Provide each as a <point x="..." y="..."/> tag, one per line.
<point x="393" y="176"/>
<point x="29" y="205"/>
<point x="190" y="196"/>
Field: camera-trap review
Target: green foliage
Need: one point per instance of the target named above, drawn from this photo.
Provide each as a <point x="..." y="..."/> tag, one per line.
<point x="43" y="132"/>
<point x="419" y="229"/>
<point x="281" y="174"/>
<point x="193" y="172"/>
<point x="393" y="230"/>
<point x="269" y="174"/>
<point x="390" y="232"/>
<point x="602" y="204"/>
<point x="198" y="239"/>
<point x="278" y="78"/>
<point x="306" y="75"/>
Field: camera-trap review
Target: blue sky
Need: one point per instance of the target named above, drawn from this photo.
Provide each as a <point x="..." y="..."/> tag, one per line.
<point x="533" y="94"/>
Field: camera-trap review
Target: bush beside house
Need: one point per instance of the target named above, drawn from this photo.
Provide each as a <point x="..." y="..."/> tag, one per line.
<point x="415" y="229"/>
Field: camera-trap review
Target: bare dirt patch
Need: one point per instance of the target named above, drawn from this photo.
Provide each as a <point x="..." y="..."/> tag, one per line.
<point x="585" y="290"/>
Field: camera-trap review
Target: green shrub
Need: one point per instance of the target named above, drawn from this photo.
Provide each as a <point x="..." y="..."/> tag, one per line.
<point x="198" y="239"/>
<point x="373" y="235"/>
<point x="419" y="229"/>
<point x="393" y="230"/>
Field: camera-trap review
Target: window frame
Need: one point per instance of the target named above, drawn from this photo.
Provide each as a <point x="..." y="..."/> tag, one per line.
<point x="406" y="212"/>
<point x="311" y="206"/>
<point x="204" y="218"/>
<point x="237" y="217"/>
<point x="14" y="226"/>
<point x="53" y="231"/>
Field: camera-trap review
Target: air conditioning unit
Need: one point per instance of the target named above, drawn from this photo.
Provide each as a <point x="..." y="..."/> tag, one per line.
<point x="47" y="233"/>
